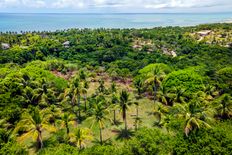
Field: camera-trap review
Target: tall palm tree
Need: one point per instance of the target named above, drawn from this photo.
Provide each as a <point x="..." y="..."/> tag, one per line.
<point x="80" y="136"/>
<point x="124" y="105"/>
<point x="73" y="93"/>
<point x="54" y="113"/>
<point x="196" y="115"/>
<point x="76" y="86"/>
<point x="154" y="77"/>
<point x="223" y="106"/>
<point x="160" y="111"/>
<point x="101" y="87"/>
<point x="44" y="93"/>
<point x="6" y="130"/>
<point x="210" y="91"/>
<point x="179" y="95"/>
<point x="66" y="121"/>
<point x="114" y="101"/>
<point x="33" y="124"/>
<point x="139" y="86"/>
<point x="99" y="115"/>
<point x="113" y="87"/>
<point x="137" y="118"/>
<point x="84" y="92"/>
<point x="164" y="95"/>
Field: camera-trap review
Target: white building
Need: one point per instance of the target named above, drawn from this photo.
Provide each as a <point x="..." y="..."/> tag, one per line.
<point x="5" y="46"/>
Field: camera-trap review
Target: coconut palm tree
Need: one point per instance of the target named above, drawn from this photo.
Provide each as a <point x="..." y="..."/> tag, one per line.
<point x="210" y="91"/>
<point x="137" y="118"/>
<point x="33" y="123"/>
<point x="54" y="113"/>
<point x="124" y="105"/>
<point x="101" y="87"/>
<point x="139" y="86"/>
<point x="73" y="93"/>
<point x="6" y="130"/>
<point x="76" y="87"/>
<point x="113" y="88"/>
<point x="160" y="111"/>
<point x="164" y="95"/>
<point x="154" y="77"/>
<point x="196" y="115"/>
<point x="84" y="92"/>
<point x="67" y="120"/>
<point x="80" y="137"/>
<point x="99" y="115"/>
<point x="223" y="106"/>
<point x="179" y="96"/>
<point x="114" y="101"/>
<point x="44" y="93"/>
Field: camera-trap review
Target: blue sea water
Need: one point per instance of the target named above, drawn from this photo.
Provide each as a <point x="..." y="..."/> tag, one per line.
<point x="51" y="22"/>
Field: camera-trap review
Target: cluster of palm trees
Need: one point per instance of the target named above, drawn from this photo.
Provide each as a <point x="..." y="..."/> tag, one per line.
<point x="70" y="108"/>
<point x="196" y="111"/>
<point x="65" y="114"/>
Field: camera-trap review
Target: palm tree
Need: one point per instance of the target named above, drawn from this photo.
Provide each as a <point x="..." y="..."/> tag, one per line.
<point x="113" y="87"/>
<point x="223" y="106"/>
<point x="114" y="101"/>
<point x="34" y="123"/>
<point x="210" y="91"/>
<point x="80" y="136"/>
<point x="164" y="95"/>
<point x="66" y="121"/>
<point x="76" y="87"/>
<point x="54" y="113"/>
<point x="161" y="113"/>
<point x="124" y="105"/>
<point x="99" y="115"/>
<point x="6" y="130"/>
<point x="73" y="93"/>
<point x="137" y="118"/>
<point x="154" y="77"/>
<point x="44" y="93"/>
<point x="101" y="87"/>
<point x="84" y="92"/>
<point x="196" y="115"/>
<point x="179" y="95"/>
<point x="139" y="85"/>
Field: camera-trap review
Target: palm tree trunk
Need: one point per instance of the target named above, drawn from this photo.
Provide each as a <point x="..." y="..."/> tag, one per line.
<point x="67" y="129"/>
<point x="155" y="89"/>
<point x="39" y="140"/>
<point x="80" y="143"/>
<point x="125" y="121"/>
<point x="100" y="134"/>
<point x="85" y="103"/>
<point x="114" y="117"/>
<point x="79" y="105"/>
<point x="137" y="111"/>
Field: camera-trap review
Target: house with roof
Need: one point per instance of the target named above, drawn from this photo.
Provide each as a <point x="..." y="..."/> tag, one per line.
<point x="5" y="46"/>
<point x="66" y="44"/>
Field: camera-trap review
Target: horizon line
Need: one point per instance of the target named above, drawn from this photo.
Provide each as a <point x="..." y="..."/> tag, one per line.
<point x="113" y="12"/>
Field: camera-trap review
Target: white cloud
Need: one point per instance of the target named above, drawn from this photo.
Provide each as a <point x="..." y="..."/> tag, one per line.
<point x="127" y="5"/>
<point x="68" y="4"/>
<point x="23" y="3"/>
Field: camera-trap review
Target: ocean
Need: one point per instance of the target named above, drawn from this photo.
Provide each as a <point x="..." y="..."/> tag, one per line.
<point x="52" y="22"/>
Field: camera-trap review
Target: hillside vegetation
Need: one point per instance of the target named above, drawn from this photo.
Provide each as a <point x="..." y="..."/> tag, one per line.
<point x="116" y="91"/>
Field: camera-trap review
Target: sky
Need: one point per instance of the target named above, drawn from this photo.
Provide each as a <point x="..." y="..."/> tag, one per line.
<point x="114" y="6"/>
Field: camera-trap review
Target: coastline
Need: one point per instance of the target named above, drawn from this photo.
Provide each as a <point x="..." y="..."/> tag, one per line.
<point x="60" y="22"/>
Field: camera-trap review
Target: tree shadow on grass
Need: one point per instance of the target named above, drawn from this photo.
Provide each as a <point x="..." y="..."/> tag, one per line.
<point x="117" y="123"/>
<point x="123" y="134"/>
<point x="104" y="142"/>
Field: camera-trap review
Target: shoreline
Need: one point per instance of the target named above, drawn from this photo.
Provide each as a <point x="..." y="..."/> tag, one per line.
<point x="107" y="28"/>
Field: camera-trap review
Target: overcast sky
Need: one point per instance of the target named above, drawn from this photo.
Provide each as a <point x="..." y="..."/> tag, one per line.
<point x="115" y="6"/>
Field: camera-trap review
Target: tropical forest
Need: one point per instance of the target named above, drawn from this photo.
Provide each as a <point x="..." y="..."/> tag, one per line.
<point x="163" y="90"/>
